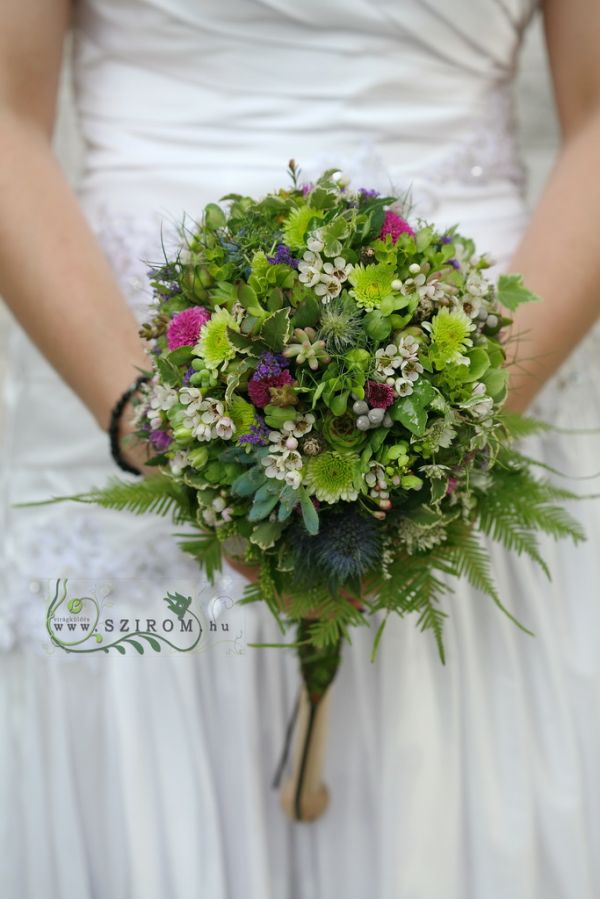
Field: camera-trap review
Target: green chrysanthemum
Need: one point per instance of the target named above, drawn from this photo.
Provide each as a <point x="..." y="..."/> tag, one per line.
<point x="260" y="264"/>
<point x="333" y="476"/>
<point x="296" y="226"/>
<point x="371" y="284"/>
<point x="214" y="345"/>
<point x="450" y="339"/>
<point x="242" y="414"/>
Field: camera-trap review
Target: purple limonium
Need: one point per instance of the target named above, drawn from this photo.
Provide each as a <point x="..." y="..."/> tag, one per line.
<point x="368" y="194"/>
<point x="445" y="238"/>
<point x="160" y="440"/>
<point x="306" y="188"/>
<point x="258" y="435"/>
<point x="454" y="263"/>
<point x="269" y="366"/>
<point x="188" y="375"/>
<point x="283" y="256"/>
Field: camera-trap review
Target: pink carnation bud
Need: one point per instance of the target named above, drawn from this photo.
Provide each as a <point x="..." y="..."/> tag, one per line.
<point x="184" y="328"/>
<point x="395" y="225"/>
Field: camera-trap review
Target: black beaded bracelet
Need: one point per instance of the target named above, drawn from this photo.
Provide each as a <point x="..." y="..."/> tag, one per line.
<point x="115" y="421"/>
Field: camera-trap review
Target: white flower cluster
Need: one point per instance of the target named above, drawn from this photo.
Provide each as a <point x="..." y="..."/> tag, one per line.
<point x="205" y="417"/>
<point x="284" y="461"/>
<point x="218" y="512"/>
<point x="161" y="400"/>
<point x="326" y="278"/>
<point x="398" y="364"/>
<point x="479" y="404"/>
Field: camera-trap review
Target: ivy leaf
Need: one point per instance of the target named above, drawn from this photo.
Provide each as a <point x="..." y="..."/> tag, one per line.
<point x="266" y="534"/>
<point x="169" y="372"/>
<point x="512" y="292"/>
<point x="410" y="414"/>
<point x="239" y="341"/>
<point x="411" y="411"/>
<point x="276" y="330"/>
<point x="181" y="356"/>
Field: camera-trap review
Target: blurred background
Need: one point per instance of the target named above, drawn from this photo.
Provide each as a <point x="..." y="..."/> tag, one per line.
<point x="537" y="126"/>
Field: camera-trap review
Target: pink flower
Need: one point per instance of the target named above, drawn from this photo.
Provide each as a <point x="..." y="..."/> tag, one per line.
<point x="395" y="225"/>
<point x="379" y="396"/>
<point x="184" y="328"/>
<point x="258" y="388"/>
<point x="452" y="485"/>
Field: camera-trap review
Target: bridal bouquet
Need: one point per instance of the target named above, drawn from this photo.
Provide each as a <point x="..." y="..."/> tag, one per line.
<point x="325" y="404"/>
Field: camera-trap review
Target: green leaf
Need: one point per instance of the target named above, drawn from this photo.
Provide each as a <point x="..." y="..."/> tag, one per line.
<point x="214" y="217"/>
<point x="169" y="373"/>
<point x="266" y="534"/>
<point x="410" y="413"/>
<point x="137" y="646"/>
<point x="307" y="314"/>
<point x="249" y="482"/>
<point x="310" y="516"/>
<point x="239" y="341"/>
<point x="181" y="356"/>
<point x="377" y="326"/>
<point x="249" y="300"/>
<point x="495" y="382"/>
<point x="263" y="509"/>
<point x="276" y="329"/>
<point x="479" y="362"/>
<point x="512" y="292"/>
<point x="423" y="238"/>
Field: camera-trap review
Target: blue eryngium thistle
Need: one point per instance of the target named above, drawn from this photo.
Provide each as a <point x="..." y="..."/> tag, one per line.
<point x="347" y="546"/>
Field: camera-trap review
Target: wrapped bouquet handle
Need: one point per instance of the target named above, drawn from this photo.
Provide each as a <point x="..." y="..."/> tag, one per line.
<point x="304" y="796"/>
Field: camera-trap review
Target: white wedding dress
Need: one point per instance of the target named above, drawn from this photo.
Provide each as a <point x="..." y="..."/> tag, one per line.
<point x="149" y="778"/>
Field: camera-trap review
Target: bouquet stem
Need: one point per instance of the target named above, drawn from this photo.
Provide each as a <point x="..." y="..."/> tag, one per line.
<point x="304" y="796"/>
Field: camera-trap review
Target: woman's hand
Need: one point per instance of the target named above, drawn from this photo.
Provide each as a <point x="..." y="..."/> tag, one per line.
<point x="558" y="256"/>
<point x="53" y="274"/>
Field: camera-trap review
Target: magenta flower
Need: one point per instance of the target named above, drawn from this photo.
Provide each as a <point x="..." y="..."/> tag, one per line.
<point x="379" y="396"/>
<point x="184" y="328"/>
<point x="395" y="225"/>
<point x="259" y="388"/>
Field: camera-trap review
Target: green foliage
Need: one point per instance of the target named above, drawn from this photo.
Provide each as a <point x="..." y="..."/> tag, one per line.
<point x="159" y="495"/>
<point x="206" y="549"/>
<point x="512" y="293"/>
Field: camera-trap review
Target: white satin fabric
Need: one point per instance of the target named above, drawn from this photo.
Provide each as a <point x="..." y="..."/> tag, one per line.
<point x="131" y="778"/>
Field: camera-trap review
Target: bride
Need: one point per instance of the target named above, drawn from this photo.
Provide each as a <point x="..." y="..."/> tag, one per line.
<point x="150" y="777"/>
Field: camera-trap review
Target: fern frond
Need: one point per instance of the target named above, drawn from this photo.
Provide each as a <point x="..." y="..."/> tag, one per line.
<point x="520" y="426"/>
<point x="432" y="619"/>
<point x="517" y="497"/>
<point x="157" y="495"/>
<point x="206" y="548"/>
<point x="469" y="559"/>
